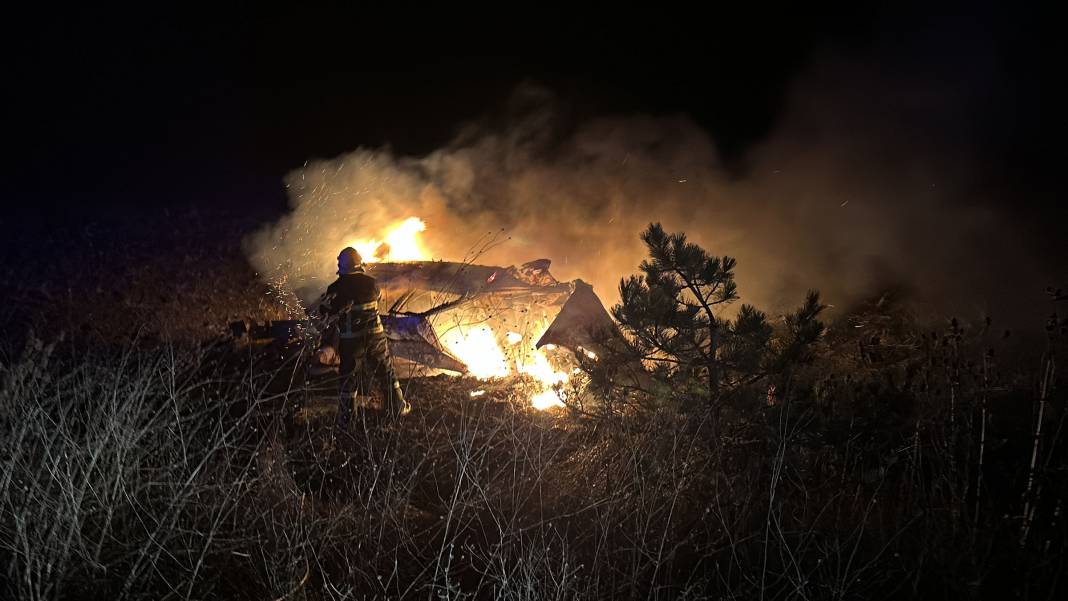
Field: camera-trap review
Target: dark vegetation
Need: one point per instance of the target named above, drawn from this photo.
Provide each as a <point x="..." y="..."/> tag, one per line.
<point x="873" y="454"/>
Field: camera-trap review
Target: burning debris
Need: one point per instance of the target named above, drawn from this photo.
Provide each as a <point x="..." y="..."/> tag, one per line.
<point x="414" y="343"/>
<point x="463" y="318"/>
<point x="478" y="320"/>
<point x="493" y="321"/>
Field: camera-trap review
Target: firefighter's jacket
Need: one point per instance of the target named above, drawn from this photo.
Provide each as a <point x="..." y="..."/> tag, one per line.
<point x="352" y="301"/>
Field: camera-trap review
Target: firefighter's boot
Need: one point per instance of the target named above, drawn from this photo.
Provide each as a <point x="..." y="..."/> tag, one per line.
<point x="396" y="405"/>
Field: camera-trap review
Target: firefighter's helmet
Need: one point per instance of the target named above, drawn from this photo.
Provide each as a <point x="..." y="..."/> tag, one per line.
<point x="349" y="261"/>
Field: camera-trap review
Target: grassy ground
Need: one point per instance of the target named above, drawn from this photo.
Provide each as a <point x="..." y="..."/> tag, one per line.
<point x="147" y="457"/>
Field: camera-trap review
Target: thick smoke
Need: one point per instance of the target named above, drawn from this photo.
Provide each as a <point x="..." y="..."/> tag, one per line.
<point x="851" y="194"/>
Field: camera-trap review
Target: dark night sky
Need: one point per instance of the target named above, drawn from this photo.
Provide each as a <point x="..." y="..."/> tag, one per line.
<point x="113" y="109"/>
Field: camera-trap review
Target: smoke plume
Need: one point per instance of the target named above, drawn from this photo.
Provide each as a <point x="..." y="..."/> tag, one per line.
<point x="851" y="194"/>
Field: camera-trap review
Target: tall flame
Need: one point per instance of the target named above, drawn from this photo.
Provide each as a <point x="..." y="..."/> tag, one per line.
<point x="400" y="243"/>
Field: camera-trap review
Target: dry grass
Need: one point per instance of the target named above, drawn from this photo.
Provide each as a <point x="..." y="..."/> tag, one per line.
<point x="171" y="472"/>
<point x="149" y="466"/>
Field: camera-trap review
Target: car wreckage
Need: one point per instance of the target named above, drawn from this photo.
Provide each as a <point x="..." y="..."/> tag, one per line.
<point x="461" y="317"/>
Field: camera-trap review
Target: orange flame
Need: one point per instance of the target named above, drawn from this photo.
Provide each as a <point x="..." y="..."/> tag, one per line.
<point x="480" y="348"/>
<point x="400" y="243"/>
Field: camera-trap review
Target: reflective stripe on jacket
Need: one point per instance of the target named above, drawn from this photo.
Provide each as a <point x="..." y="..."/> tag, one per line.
<point x="363" y="324"/>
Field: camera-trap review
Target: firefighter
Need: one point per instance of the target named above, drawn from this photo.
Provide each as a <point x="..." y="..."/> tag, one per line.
<point x="352" y="303"/>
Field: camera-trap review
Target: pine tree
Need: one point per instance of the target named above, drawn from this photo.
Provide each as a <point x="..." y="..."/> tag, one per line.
<point x="672" y="316"/>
